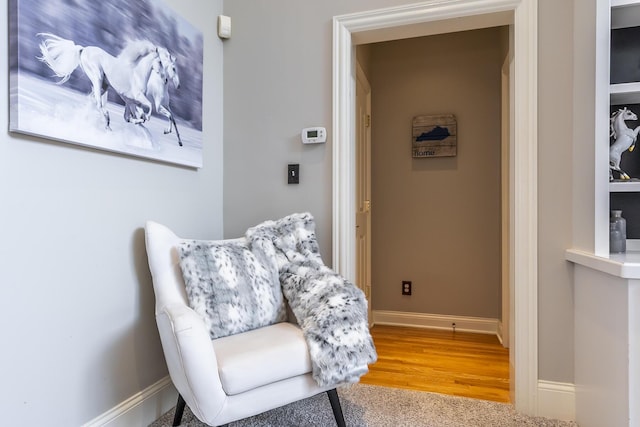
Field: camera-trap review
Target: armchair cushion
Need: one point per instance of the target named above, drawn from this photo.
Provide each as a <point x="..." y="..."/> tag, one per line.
<point x="262" y="356"/>
<point x="229" y="287"/>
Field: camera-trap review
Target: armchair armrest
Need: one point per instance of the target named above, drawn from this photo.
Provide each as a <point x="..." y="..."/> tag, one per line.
<point x="191" y="360"/>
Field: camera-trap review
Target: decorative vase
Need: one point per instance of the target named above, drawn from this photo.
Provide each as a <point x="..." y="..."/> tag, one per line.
<point x="617" y="233"/>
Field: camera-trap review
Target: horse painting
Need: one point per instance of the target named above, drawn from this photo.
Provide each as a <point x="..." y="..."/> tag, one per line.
<point x="127" y="74"/>
<point x="624" y="139"/>
<point x="104" y="75"/>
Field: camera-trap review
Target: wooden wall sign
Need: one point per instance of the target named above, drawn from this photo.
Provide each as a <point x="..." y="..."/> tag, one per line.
<point x="434" y="136"/>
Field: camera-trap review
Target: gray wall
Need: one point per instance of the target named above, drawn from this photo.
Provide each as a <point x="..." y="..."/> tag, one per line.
<point x="278" y="79"/>
<point x="555" y="186"/>
<point x="430" y="214"/>
<point x="277" y="82"/>
<point x="79" y="334"/>
<point x="78" y="307"/>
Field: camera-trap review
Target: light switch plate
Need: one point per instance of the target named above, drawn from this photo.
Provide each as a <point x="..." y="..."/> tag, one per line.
<point x="293" y="174"/>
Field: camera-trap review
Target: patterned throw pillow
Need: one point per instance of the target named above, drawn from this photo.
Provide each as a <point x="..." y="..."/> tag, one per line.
<point x="229" y="287"/>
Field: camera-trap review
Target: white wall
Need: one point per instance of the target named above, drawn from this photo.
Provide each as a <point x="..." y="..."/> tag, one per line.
<point x="79" y="333"/>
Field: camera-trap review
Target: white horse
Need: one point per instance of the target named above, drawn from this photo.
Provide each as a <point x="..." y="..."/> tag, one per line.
<point x="127" y="73"/>
<point x="624" y="139"/>
<point x="157" y="91"/>
<point x="158" y="88"/>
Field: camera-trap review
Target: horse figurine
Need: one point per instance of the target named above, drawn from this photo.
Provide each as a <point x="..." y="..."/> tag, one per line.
<point x="624" y="139"/>
<point x="127" y="73"/>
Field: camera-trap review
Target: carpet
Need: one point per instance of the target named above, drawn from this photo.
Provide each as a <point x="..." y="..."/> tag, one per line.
<point x="373" y="406"/>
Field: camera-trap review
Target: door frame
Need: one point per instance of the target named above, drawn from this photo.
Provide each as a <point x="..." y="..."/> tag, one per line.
<point x="506" y="266"/>
<point x="363" y="192"/>
<point x="435" y="17"/>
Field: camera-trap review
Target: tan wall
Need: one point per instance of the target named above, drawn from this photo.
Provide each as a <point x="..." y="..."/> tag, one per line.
<point x="436" y="221"/>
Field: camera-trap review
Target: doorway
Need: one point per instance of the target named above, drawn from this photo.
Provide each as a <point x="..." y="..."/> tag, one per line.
<point x="435" y="18"/>
<point x="431" y="212"/>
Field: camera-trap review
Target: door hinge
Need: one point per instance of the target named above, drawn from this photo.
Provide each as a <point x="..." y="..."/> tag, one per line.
<point x="367" y="120"/>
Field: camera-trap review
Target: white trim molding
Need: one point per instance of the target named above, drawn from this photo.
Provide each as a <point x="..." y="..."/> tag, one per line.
<point x="141" y="409"/>
<point x="500" y="333"/>
<point x="525" y="207"/>
<point x="524" y="163"/>
<point x="557" y="400"/>
<point x="436" y="321"/>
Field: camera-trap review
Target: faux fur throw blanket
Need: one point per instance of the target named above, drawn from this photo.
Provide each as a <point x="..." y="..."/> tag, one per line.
<point x="331" y="311"/>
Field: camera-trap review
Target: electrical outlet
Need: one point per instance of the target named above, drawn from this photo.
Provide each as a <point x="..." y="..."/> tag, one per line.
<point x="406" y="287"/>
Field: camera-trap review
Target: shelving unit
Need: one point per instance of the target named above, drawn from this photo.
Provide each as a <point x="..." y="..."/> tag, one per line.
<point x="607" y="286"/>
<point x="625" y="16"/>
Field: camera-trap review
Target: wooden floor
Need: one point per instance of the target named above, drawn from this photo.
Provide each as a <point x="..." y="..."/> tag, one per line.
<point x="447" y="362"/>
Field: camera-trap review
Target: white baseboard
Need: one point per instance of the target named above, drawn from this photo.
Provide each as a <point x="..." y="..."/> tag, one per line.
<point x="557" y="400"/>
<point x="141" y="409"/>
<point x="436" y="321"/>
<point x="500" y="332"/>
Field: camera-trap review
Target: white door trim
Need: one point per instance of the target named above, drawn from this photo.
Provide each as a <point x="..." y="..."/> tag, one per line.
<point x="363" y="183"/>
<point x="524" y="155"/>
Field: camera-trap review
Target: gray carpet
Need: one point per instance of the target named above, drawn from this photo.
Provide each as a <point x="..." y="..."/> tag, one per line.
<point x="372" y="406"/>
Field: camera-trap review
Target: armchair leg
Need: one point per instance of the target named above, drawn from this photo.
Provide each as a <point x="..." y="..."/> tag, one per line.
<point x="177" y="418"/>
<point x="337" y="409"/>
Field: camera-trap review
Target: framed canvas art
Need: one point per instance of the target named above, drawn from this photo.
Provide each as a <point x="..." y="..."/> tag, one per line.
<point x="122" y="76"/>
<point x="434" y="136"/>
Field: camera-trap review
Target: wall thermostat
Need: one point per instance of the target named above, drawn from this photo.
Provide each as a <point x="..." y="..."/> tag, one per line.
<point x="315" y="135"/>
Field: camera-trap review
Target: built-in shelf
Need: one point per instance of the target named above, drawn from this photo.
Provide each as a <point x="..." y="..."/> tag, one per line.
<point x="607" y="287"/>
<point x="626" y="265"/>
<point x="624" y="187"/>
<point x="623" y="3"/>
<point x="625" y="17"/>
<point x="633" y="245"/>
<point x="624" y="13"/>
<point x="625" y="93"/>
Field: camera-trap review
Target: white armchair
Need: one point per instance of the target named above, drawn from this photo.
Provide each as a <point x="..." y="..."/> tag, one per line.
<point x="229" y="378"/>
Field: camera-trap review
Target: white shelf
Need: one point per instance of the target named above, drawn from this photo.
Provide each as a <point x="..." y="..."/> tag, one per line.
<point x="625" y="265"/>
<point x="624" y="93"/>
<point x="624" y="187"/>
<point x="625" y="13"/>
<point x="633" y="245"/>
<point x="623" y="3"/>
